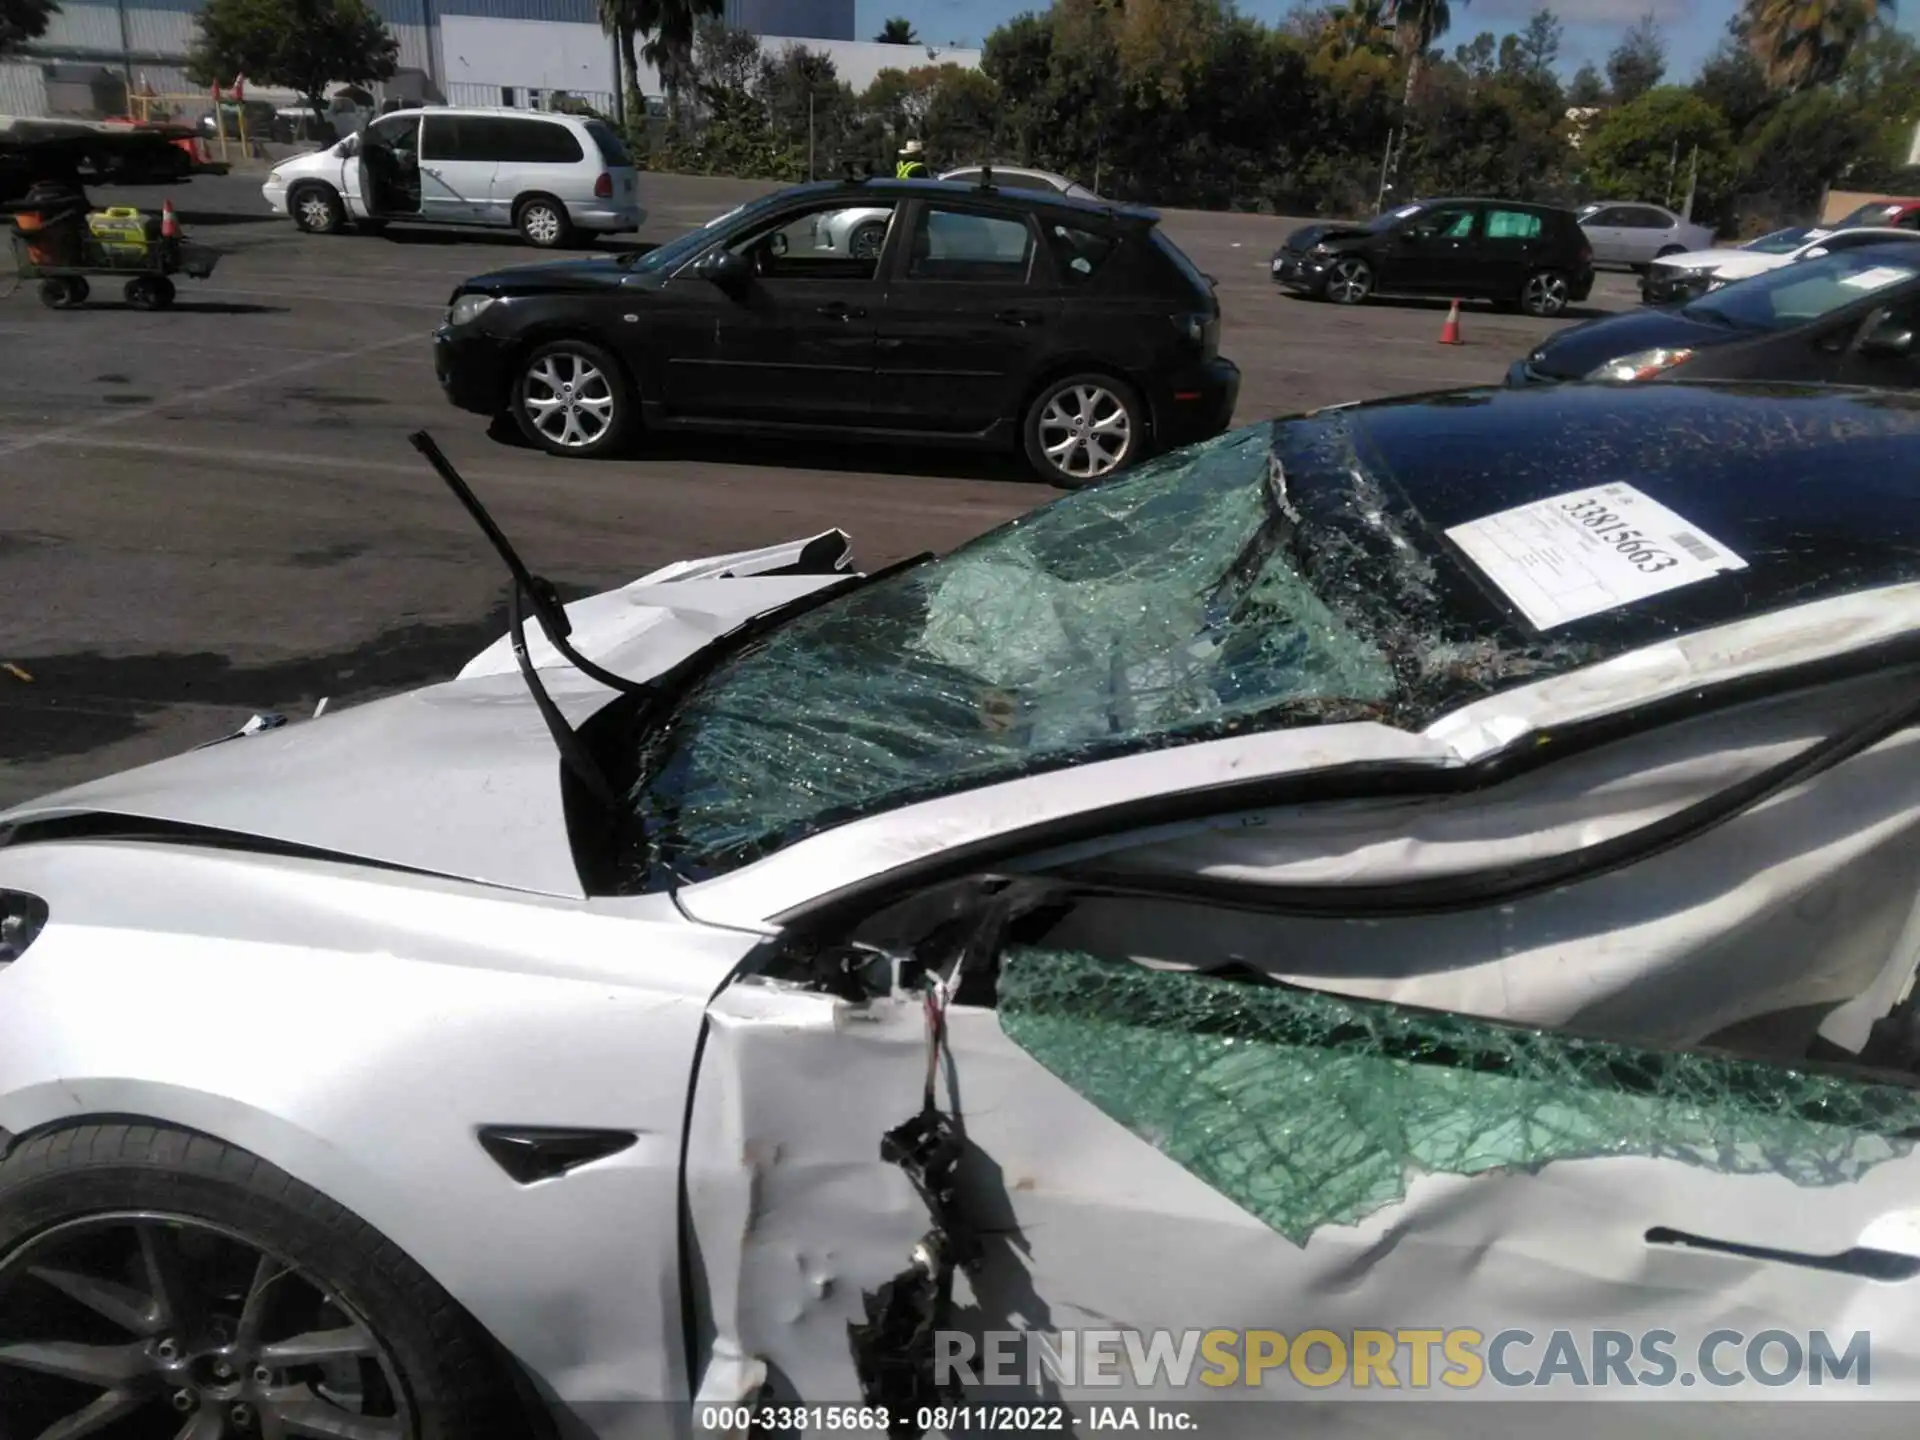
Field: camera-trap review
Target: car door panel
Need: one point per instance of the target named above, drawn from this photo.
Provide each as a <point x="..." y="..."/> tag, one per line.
<point x="1435" y="252"/>
<point x="791" y="344"/>
<point x="1860" y="365"/>
<point x="958" y="337"/>
<point x="1148" y="1151"/>
<point x="455" y="185"/>
<point x="1607" y="236"/>
<point x="797" y="352"/>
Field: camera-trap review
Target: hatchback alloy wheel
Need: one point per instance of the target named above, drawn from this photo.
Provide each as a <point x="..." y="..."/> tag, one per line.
<point x="1085" y="431"/>
<point x="569" y="400"/>
<point x="182" y="1323"/>
<point x="1546" y="293"/>
<point x="1351" y="281"/>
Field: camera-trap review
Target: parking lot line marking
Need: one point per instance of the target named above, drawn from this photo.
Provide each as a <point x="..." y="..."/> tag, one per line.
<point x="282" y="459"/>
<point x="193" y="397"/>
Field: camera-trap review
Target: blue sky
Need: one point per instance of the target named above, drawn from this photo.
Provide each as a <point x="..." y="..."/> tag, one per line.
<point x="1692" y="27"/>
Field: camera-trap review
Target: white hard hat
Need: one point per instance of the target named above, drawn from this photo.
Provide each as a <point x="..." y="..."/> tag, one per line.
<point x="912" y="147"/>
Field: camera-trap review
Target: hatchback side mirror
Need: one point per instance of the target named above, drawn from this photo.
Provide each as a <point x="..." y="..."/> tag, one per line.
<point x="1889" y="338"/>
<point x="722" y="267"/>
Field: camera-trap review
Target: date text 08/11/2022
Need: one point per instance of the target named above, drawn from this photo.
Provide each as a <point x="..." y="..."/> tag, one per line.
<point x="939" y="1419"/>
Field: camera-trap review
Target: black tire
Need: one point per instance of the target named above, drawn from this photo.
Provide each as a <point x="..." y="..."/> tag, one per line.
<point x="543" y="221"/>
<point x="150" y="292"/>
<point x="538" y="379"/>
<point x="1096" y="398"/>
<point x="317" y="210"/>
<point x="63" y="292"/>
<point x="453" y="1377"/>
<point x="1546" y="294"/>
<point x="867" y="241"/>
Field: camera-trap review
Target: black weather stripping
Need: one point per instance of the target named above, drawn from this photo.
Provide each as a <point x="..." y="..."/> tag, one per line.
<point x="530" y="1153"/>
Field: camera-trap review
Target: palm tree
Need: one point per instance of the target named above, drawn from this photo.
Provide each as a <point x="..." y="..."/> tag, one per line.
<point x="1802" y="43"/>
<point x="1358" y="27"/>
<point x="897" y="31"/>
<point x="1417" y="24"/>
<point x="668" y="26"/>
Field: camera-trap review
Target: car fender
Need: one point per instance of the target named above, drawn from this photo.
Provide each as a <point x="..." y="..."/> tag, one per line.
<point x="357" y="1028"/>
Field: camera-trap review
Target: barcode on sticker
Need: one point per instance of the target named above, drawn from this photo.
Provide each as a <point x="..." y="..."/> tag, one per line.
<point x="1695" y="546"/>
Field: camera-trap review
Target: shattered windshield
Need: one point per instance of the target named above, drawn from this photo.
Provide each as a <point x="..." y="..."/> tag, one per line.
<point x="1161" y="607"/>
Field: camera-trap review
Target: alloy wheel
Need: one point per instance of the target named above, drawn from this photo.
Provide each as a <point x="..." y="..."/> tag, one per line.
<point x="316" y="214"/>
<point x="1085" y="431"/>
<point x="866" y="241"/>
<point x="1349" y="282"/>
<point x="569" y="400"/>
<point x="1546" y="294"/>
<point x="192" y="1329"/>
<point x="541" y="224"/>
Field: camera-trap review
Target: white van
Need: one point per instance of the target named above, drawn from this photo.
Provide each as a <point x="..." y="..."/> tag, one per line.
<point x="547" y="175"/>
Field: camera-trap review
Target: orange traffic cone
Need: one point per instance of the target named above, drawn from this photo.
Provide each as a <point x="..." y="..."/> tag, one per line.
<point x="170" y="228"/>
<point x="1450" y="332"/>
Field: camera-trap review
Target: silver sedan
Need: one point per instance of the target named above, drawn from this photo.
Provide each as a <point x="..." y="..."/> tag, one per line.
<point x="1636" y="235"/>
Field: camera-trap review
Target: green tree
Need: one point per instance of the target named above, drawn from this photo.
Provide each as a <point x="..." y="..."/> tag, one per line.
<point x="1587" y="88"/>
<point x="1809" y="141"/>
<point x="961" y="116"/>
<point x="298" y="45"/>
<point x="1417" y="24"/>
<point x="1732" y="81"/>
<point x="1018" y="58"/>
<point x="897" y="31"/>
<point x="1537" y="46"/>
<point x="23" y="21"/>
<point x="1641" y="150"/>
<point x="1638" y="62"/>
<point x="1802" y="43"/>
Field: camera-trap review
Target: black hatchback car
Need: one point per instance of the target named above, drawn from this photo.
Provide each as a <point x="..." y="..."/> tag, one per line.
<point x="908" y="311"/>
<point x="1511" y="252"/>
<point x="1844" y="318"/>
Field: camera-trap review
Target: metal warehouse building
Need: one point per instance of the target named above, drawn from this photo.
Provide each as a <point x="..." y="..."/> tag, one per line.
<point x="465" y="52"/>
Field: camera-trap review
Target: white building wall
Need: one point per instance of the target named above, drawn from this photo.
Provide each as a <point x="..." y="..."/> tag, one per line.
<point x="485" y="55"/>
<point x="23" y="91"/>
<point x="94" y="29"/>
<point x="159" y="32"/>
<point x="540" y="54"/>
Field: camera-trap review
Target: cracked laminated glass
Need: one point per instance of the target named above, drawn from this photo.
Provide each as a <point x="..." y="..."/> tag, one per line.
<point x="1294" y="572"/>
<point x="1308" y="1109"/>
<point x="1161" y="607"/>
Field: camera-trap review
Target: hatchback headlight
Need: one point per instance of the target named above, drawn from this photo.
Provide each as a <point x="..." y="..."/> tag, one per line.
<point x="467" y="308"/>
<point x="1641" y="364"/>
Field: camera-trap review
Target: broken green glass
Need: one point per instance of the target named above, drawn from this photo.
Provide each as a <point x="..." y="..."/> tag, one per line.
<point x="1308" y="1109"/>
<point x="1161" y="606"/>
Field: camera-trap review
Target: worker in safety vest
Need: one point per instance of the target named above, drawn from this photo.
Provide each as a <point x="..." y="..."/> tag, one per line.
<point x="911" y="167"/>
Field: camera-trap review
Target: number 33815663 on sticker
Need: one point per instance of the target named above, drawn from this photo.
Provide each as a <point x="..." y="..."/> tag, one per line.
<point x="1588" y="551"/>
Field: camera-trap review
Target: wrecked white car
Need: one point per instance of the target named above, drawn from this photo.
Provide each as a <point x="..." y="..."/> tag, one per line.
<point x="1447" y="862"/>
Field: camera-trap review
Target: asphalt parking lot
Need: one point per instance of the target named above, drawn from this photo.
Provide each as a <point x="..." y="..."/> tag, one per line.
<point x="214" y="510"/>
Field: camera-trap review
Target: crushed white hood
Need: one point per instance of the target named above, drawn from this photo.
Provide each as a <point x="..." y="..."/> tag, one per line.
<point x="461" y="778"/>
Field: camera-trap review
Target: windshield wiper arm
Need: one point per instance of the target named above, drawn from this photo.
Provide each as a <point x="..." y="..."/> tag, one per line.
<point x="538" y="594"/>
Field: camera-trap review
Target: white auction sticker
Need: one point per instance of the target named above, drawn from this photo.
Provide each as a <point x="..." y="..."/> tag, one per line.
<point x="1878" y="278"/>
<point x="1588" y="551"/>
